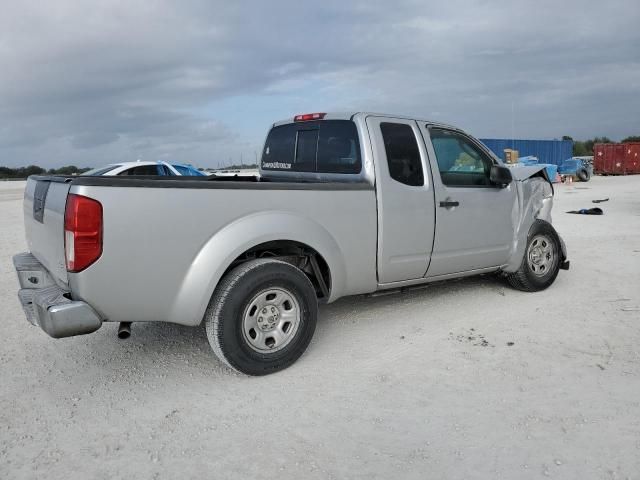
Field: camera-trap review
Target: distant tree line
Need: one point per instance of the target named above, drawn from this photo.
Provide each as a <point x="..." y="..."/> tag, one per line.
<point x="24" y="172"/>
<point x="585" y="148"/>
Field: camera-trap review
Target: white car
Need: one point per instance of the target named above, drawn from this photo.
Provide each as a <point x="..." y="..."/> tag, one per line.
<point x="144" y="168"/>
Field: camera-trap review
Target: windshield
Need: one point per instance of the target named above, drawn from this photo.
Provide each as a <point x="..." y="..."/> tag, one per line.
<point x="100" y="170"/>
<point x="185" y="170"/>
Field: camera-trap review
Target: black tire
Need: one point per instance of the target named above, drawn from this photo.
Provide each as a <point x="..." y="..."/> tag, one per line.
<point x="526" y="278"/>
<point x="228" y="312"/>
<point x="583" y="174"/>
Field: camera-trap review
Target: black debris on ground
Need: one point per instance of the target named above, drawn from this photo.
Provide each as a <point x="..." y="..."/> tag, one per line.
<point x="588" y="211"/>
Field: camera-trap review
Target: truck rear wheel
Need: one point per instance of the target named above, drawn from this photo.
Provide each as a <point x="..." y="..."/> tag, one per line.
<point x="542" y="259"/>
<point x="262" y="316"/>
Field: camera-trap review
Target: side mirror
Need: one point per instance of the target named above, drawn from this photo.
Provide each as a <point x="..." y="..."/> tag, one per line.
<point x="500" y="175"/>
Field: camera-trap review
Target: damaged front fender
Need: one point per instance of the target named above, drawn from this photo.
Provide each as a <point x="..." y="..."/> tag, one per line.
<point x="534" y="200"/>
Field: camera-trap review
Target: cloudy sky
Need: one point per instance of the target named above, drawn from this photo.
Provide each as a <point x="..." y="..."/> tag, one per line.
<point x="90" y="83"/>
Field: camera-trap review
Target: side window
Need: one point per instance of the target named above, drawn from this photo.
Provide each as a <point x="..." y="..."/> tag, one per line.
<point x="461" y="163"/>
<point x="403" y="155"/>
<point x="142" y="170"/>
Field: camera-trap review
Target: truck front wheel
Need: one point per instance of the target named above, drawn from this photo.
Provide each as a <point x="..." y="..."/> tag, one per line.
<point x="542" y="259"/>
<point x="262" y="316"/>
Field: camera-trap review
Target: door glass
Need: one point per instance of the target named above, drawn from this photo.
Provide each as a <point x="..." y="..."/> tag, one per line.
<point x="461" y="163"/>
<point x="403" y="155"/>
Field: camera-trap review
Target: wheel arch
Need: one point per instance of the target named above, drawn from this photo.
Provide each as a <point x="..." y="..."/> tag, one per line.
<point x="525" y="278"/>
<point x="250" y="237"/>
<point x="521" y="245"/>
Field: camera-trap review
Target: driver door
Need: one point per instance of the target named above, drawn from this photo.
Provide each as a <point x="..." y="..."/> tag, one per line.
<point x="474" y="224"/>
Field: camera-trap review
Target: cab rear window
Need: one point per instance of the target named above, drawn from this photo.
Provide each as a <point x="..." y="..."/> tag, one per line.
<point x="326" y="146"/>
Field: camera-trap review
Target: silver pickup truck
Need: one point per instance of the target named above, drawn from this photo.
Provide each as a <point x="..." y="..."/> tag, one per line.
<point x="345" y="204"/>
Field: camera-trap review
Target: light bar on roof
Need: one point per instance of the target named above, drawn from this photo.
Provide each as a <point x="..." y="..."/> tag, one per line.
<point x="305" y="117"/>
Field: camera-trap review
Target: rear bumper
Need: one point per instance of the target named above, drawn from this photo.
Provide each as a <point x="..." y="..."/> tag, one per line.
<point x="48" y="306"/>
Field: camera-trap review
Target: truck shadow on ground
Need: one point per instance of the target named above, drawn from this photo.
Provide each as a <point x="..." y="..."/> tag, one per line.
<point x="429" y="295"/>
<point x="166" y="343"/>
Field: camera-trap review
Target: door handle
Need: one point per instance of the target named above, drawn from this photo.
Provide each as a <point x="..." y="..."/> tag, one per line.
<point x="449" y="203"/>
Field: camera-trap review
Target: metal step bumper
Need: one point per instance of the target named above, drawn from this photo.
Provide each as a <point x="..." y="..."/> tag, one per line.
<point x="48" y="306"/>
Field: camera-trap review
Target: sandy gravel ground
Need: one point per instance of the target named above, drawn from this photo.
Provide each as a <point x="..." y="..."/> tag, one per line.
<point x="469" y="379"/>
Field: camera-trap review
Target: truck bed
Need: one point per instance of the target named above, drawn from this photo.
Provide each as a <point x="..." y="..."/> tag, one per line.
<point x="166" y="241"/>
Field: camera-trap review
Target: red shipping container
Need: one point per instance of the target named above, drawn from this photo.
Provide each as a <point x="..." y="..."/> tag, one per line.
<point x="609" y="158"/>
<point x="632" y="157"/>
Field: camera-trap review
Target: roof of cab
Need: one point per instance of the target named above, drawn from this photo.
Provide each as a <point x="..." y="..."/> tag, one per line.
<point x="350" y="115"/>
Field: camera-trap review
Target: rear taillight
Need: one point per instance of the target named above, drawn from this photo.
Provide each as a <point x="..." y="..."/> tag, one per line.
<point x="305" y="117"/>
<point x="82" y="232"/>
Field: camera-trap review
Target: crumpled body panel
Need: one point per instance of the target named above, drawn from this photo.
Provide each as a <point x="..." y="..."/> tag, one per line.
<point x="534" y="201"/>
<point x="523" y="173"/>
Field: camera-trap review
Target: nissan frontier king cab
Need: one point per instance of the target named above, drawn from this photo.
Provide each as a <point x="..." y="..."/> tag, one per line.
<point x="344" y="204"/>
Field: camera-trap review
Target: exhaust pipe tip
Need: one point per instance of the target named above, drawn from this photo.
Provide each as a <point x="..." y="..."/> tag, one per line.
<point x="124" y="330"/>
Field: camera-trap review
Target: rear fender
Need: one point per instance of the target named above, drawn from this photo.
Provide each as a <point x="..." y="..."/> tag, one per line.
<point x="217" y="254"/>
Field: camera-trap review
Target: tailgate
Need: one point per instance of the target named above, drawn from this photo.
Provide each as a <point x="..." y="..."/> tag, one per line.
<point x="45" y="199"/>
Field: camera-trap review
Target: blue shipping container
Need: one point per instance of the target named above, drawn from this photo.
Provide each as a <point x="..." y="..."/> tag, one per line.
<point x="547" y="151"/>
